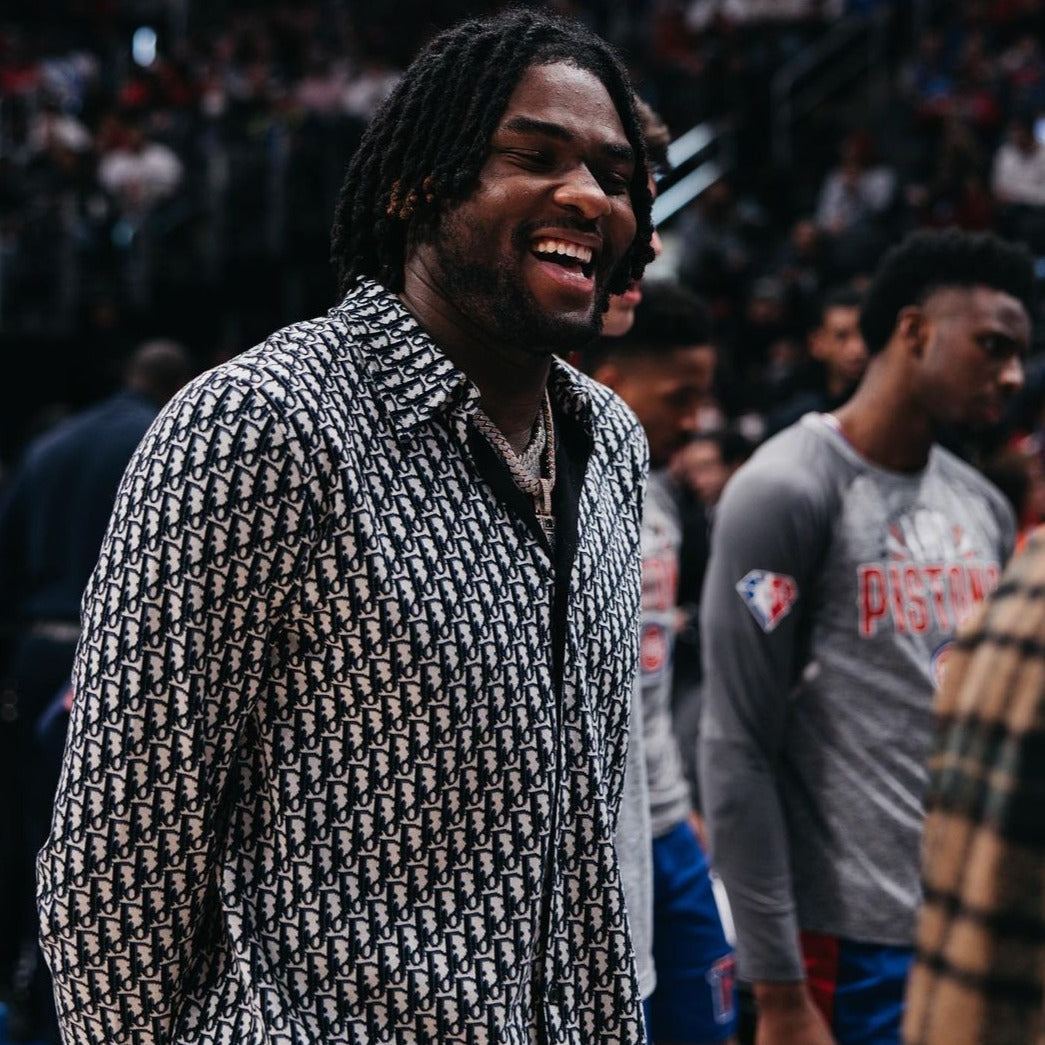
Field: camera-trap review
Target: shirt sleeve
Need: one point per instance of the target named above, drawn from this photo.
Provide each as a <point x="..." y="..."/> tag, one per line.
<point x="177" y="620"/>
<point x="768" y="538"/>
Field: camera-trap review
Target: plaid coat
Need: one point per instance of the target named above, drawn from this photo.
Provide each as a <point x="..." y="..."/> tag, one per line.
<point x="980" y="965"/>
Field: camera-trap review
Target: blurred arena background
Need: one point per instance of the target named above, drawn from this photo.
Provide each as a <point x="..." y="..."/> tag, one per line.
<point x="169" y="169"/>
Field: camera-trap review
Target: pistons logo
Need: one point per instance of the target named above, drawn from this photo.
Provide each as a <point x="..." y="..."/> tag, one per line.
<point x="654" y="652"/>
<point x="939" y="662"/>
<point x="769" y="596"/>
<point x="721" y="979"/>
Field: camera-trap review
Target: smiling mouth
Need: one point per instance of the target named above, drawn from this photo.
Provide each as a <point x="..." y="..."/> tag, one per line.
<point x="573" y="256"/>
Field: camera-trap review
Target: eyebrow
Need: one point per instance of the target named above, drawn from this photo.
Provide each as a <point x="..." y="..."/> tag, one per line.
<point x="530" y="125"/>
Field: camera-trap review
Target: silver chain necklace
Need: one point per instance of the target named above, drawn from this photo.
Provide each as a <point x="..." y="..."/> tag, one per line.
<point x="535" y="477"/>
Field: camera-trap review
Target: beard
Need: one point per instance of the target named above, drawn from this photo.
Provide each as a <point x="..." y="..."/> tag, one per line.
<point x="497" y="296"/>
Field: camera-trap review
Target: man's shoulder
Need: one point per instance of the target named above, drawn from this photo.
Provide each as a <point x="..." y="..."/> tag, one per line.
<point x="607" y="407"/>
<point x="87" y="430"/>
<point x="584" y="395"/>
<point x="792" y="409"/>
<point x="956" y="470"/>
<point x="304" y="368"/>
<point x="974" y="486"/>
<point x="798" y="470"/>
<point x="801" y="455"/>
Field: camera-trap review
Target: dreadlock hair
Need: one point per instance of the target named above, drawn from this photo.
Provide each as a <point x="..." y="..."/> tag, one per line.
<point x="933" y="259"/>
<point x="425" y="146"/>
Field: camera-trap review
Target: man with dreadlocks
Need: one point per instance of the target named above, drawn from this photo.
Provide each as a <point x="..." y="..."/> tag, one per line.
<point x="345" y="758"/>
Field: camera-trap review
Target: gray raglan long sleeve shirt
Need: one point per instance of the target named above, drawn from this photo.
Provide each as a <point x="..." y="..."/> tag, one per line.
<point x="833" y="591"/>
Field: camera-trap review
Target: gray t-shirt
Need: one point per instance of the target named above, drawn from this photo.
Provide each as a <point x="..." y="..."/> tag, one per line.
<point x="832" y="595"/>
<point x="661" y="541"/>
<point x="656" y="795"/>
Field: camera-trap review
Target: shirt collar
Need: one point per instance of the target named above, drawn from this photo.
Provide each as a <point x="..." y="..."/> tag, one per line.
<point x="414" y="378"/>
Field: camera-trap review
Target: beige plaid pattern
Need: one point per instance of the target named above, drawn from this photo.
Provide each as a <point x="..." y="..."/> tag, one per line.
<point x="980" y="964"/>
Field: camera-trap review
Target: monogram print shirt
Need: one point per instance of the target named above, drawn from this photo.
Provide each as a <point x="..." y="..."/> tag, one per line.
<point x="346" y="751"/>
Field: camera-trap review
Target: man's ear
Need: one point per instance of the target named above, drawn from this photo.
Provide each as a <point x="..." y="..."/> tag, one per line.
<point x="912" y="327"/>
<point x="815" y="344"/>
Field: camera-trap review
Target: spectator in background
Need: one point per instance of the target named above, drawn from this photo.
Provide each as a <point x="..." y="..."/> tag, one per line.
<point x="956" y="191"/>
<point x="854" y="205"/>
<point x="705" y="464"/>
<point x="979" y="971"/>
<point x="42" y="219"/>
<point x="321" y="88"/>
<point x="701" y="470"/>
<point x="369" y="86"/>
<point x="764" y="349"/>
<point x="1022" y="64"/>
<point x="800" y="261"/>
<point x="140" y="176"/>
<point x="52" y="129"/>
<point x="858" y="190"/>
<point x="927" y="78"/>
<point x="1018" y="183"/>
<point x="1018" y="471"/>
<point x="825" y="625"/>
<point x="715" y="253"/>
<point x="977" y="87"/>
<point x="136" y="171"/>
<point x="54" y="509"/>
<point x="838" y="356"/>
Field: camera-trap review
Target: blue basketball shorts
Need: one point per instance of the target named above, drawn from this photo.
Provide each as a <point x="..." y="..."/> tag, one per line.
<point x="859" y="987"/>
<point x="695" y="999"/>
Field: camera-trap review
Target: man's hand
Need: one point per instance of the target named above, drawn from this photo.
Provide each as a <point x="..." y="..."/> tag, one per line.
<point x="787" y="1015"/>
<point x="696" y="821"/>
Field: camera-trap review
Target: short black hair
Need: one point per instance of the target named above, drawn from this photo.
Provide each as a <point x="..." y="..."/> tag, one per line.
<point x="733" y="447"/>
<point x="426" y="144"/>
<point x="669" y="316"/>
<point x="929" y="260"/>
<point x="844" y="296"/>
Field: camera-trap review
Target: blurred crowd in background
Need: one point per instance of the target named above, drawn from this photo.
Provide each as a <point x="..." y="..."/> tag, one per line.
<point x="170" y="169"/>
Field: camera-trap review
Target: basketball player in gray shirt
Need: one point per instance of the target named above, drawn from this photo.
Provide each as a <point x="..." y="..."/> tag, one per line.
<point x="845" y="554"/>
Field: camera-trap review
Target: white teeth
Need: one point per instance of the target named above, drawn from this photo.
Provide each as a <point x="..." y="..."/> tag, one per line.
<point x="558" y="246"/>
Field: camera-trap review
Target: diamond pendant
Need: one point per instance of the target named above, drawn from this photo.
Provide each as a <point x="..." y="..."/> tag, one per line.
<point x="545" y="505"/>
<point x="547" y="525"/>
<point x="543" y="508"/>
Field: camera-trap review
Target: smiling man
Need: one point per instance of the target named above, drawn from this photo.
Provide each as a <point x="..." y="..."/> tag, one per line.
<point x="345" y="755"/>
<point x="845" y="553"/>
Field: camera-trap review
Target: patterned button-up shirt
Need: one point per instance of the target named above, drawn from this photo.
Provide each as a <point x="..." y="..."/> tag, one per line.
<point x="979" y="971"/>
<point x="347" y="745"/>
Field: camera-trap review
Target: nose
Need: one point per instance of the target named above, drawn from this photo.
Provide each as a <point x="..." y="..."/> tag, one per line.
<point x="581" y="191"/>
<point x="1012" y="375"/>
<point x="657" y="244"/>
